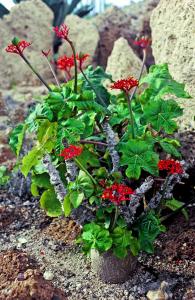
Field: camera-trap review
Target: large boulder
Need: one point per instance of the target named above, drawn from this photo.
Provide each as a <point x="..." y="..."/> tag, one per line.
<point x="173" y="24"/>
<point x="111" y="24"/>
<point x="29" y="20"/>
<point x="123" y="62"/>
<point x="84" y="35"/>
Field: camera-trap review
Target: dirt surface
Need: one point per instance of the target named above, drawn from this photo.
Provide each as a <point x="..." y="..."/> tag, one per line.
<point x="33" y="245"/>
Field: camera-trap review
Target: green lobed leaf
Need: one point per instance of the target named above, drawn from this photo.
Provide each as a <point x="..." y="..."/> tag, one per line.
<point x="161" y="83"/>
<point x="138" y="155"/>
<point x="160" y="115"/>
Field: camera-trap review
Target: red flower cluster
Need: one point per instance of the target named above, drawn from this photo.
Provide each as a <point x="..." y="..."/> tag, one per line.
<point x="170" y="165"/>
<point x="62" y="31"/>
<point x="71" y="152"/>
<point x="65" y="63"/>
<point x="125" y="84"/>
<point x="143" y="43"/>
<point x="81" y="59"/>
<point x="117" y="193"/>
<point x="19" y="48"/>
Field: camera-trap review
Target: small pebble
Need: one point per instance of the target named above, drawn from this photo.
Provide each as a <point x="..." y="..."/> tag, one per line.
<point x="48" y="275"/>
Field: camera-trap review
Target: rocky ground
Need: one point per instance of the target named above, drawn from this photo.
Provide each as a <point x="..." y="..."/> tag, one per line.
<point x="40" y="260"/>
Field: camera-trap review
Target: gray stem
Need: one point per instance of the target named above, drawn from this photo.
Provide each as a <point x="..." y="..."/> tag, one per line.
<point x="55" y="179"/>
<point x="112" y="142"/>
<point x="129" y="211"/>
<point x="166" y="190"/>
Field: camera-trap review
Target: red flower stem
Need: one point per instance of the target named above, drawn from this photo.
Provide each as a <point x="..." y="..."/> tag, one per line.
<point x="130" y="98"/>
<point x="93" y="143"/>
<point x="91" y="85"/>
<point x="75" y="65"/>
<point x="69" y="75"/>
<point x="32" y="68"/>
<point x="85" y="170"/>
<point x="52" y="70"/>
<point x="115" y="218"/>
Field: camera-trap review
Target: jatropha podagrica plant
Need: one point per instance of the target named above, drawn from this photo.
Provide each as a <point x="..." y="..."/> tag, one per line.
<point x="109" y="153"/>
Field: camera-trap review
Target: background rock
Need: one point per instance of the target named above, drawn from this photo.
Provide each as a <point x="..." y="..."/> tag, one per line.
<point x="30" y="20"/>
<point x="112" y="24"/>
<point x="123" y="62"/>
<point x="173" y="24"/>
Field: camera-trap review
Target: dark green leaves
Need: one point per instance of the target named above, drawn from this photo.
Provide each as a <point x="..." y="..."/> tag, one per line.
<point x="161" y="83"/>
<point x="149" y="227"/>
<point x="160" y="115"/>
<point x="138" y="155"/>
<point x="95" y="237"/>
<point x="123" y="241"/>
<point x="97" y="77"/>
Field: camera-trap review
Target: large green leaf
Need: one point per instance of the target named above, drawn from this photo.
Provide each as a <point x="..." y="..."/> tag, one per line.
<point x="41" y="111"/>
<point x="72" y="130"/>
<point x="169" y="146"/>
<point x="85" y="184"/>
<point x="161" y="83"/>
<point x="47" y="135"/>
<point x="84" y="102"/>
<point x="160" y="115"/>
<point x="138" y="155"/>
<point x="51" y="204"/>
<point x="39" y="181"/>
<point x="76" y="198"/>
<point x="31" y="159"/>
<point x="16" y="138"/>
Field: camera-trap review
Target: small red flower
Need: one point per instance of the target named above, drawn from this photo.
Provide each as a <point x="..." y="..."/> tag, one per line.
<point x="117" y="193"/>
<point x="46" y="53"/>
<point x="170" y="165"/>
<point x="81" y="59"/>
<point x="62" y="31"/>
<point x="65" y="63"/>
<point x="71" y="152"/>
<point x="102" y="182"/>
<point x="19" y="48"/>
<point x="125" y="84"/>
<point x="143" y="43"/>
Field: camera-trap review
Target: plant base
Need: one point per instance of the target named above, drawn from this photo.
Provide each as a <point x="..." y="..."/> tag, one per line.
<point x="111" y="269"/>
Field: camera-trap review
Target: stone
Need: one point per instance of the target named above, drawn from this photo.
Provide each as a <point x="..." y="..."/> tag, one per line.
<point x="29" y="20"/>
<point x="123" y="62"/>
<point x="173" y="24"/>
<point x="111" y="24"/>
<point x="84" y="35"/>
<point x="159" y="294"/>
<point x="48" y="275"/>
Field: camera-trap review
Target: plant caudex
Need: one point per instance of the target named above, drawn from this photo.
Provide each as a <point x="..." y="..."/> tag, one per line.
<point x="95" y="146"/>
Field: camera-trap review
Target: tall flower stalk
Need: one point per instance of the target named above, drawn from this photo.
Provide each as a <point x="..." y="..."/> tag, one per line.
<point x="63" y="33"/>
<point x="18" y="47"/>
